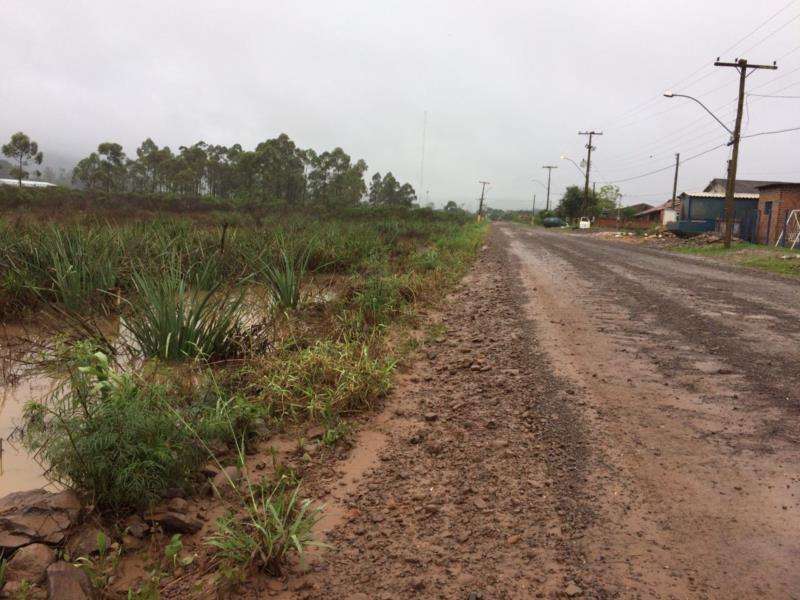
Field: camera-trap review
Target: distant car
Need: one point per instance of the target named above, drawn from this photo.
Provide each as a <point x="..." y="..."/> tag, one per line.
<point x="584" y="223"/>
<point x="552" y="222"/>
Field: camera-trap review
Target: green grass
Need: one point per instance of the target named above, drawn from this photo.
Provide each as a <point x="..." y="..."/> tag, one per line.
<point x="757" y="256"/>
<point x="275" y="521"/>
<point x="716" y="249"/>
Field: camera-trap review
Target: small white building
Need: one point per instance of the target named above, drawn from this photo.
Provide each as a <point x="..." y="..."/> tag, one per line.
<point x="26" y="183"/>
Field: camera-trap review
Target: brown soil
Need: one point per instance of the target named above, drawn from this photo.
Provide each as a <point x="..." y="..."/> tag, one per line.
<point x="598" y="421"/>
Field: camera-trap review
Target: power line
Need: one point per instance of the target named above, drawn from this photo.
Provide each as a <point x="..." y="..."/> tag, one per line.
<point x="705" y="66"/>
<point x="772" y="132"/>
<point x="668" y="167"/>
<point x="781" y="28"/>
<point x="771" y="96"/>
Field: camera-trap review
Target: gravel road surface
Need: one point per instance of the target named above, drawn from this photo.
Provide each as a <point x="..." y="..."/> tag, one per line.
<point x="593" y="420"/>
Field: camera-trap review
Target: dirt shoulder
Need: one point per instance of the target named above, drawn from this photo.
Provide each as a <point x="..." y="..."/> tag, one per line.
<point x="473" y="479"/>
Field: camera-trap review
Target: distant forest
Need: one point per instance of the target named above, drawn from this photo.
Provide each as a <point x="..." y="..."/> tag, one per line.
<point x="277" y="170"/>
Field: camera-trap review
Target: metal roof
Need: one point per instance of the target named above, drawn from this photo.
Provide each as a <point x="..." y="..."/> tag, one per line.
<point x="743" y="186"/>
<point x="714" y="195"/>
<point x="26" y="183"/>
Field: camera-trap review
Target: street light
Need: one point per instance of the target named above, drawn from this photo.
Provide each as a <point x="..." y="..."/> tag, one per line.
<point x="671" y="95"/>
<point x="577" y="166"/>
<point x="730" y="187"/>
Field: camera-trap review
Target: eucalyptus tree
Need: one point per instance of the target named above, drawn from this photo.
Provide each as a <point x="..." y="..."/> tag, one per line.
<point x="22" y="150"/>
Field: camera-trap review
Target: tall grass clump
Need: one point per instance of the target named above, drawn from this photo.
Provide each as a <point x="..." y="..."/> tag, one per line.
<point x="284" y="275"/>
<point x="382" y="297"/>
<point x="275" y="521"/>
<point x="75" y="266"/>
<point x="173" y="321"/>
<point x="110" y="436"/>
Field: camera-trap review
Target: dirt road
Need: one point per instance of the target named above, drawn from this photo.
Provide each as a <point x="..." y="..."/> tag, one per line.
<point x="597" y="421"/>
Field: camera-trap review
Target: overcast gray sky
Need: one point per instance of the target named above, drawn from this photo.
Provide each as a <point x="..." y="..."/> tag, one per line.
<point x="506" y="85"/>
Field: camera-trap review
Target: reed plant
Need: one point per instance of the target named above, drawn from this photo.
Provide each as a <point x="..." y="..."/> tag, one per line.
<point x="173" y="320"/>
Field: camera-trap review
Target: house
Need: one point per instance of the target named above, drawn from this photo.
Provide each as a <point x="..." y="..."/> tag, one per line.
<point x="642" y="206"/>
<point x="659" y="215"/>
<point x="775" y="203"/>
<point x="702" y="211"/>
<point x="743" y="186"/>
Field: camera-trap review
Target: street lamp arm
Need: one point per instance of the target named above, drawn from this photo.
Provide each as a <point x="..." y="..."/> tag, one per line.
<point x="577" y="166"/>
<point x="540" y="183"/>
<point x="705" y="108"/>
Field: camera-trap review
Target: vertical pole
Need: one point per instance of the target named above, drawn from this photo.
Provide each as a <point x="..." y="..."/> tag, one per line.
<point x="480" y="206"/>
<point x="729" y="193"/>
<point x="588" y="168"/>
<point x="533" y="210"/>
<point x="549" y="172"/>
<point x="675" y="181"/>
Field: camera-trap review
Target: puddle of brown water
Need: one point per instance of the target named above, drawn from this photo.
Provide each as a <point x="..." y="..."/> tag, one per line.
<point x="18" y="470"/>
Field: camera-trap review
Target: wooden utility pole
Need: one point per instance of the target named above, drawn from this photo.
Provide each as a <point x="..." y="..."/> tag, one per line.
<point x="742" y="65"/>
<point x="533" y="209"/>
<point x="549" y="171"/>
<point x="675" y="181"/>
<point x="591" y="134"/>
<point x="483" y="193"/>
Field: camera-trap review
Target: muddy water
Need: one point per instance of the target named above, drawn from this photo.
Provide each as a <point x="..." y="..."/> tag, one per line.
<point x="18" y="470"/>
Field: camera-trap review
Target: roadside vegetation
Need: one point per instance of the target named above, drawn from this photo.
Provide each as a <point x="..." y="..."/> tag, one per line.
<point x="758" y="256"/>
<point x="225" y="331"/>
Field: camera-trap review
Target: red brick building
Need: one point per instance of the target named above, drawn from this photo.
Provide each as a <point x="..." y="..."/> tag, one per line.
<point x="775" y="202"/>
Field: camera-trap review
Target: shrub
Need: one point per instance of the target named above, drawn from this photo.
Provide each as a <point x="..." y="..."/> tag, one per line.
<point x="111" y="436"/>
<point x="173" y="322"/>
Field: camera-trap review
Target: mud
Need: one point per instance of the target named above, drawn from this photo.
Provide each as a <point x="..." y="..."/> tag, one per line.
<point x="478" y="484"/>
<point x="598" y="421"/>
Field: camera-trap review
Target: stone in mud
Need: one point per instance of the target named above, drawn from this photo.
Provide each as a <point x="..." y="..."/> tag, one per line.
<point x="66" y="582"/>
<point x="136" y="526"/>
<point x="223" y="480"/>
<point x="259" y="428"/>
<point x="316" y="432"/>
<point x="36" y="516"/>
<point x="210" y="470"/>
<point x="572" y="590"/>
<point x="29" y="564"/>
<point x="84" y="541"/>
<point x="174" y="522"/>
<point x="178" y="505"/>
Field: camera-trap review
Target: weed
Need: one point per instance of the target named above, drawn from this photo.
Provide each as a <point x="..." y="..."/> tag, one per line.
<point x="276" y="522"/>
<point x="336" y="432"/>
<point x="173" y="548"/>
<point x="173" y="322"/>
<point x="102" y="569"/>
<point x="111" y="436"/>
<point x="285" y="276"/>
<point x="328" y="376"/>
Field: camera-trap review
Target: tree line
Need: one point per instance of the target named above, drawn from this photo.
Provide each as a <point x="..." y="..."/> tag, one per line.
<point x="275" y="170"/>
